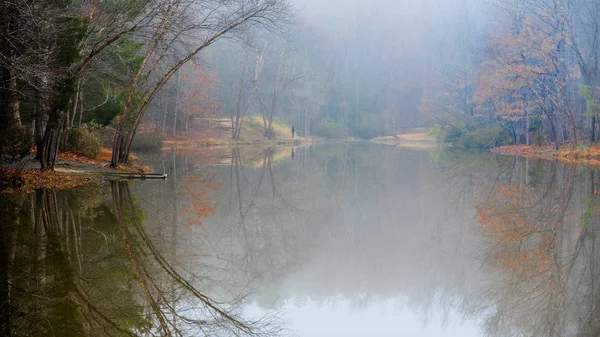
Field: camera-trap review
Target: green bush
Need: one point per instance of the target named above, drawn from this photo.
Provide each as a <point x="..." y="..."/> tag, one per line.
<point x="86" y="140"/>
<point x="328" y="128"/>
<point x="451" y="134"/>
<point x="484" y="138"/>
<point x="435" y="131"/>
<point x="147" y="141"/>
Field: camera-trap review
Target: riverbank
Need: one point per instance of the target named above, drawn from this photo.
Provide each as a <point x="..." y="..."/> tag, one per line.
<point x="184" y="144"/>
<point x="582" y="155"/>
<point x="411" y="138"/>
<point x="27" y="181"/>
<point x="71" y="170"/>
<point x="251" y="133"/>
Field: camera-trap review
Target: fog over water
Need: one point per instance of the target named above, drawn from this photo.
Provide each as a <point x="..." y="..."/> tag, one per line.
<point x="333" y="168"/>
<point x="346" y="239"/>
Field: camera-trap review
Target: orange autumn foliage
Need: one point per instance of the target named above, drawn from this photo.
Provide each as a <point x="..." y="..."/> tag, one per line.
<point x="511" y="81"/>
<point x="519" y="244"/>
<point x="197" y="194"/>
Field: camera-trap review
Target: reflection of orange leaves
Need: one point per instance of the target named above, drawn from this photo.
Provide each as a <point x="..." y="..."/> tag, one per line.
<point x="502" y="218"/>
<point x="520" y="246"/>
<point x="527" y="263"/>
<point x="198" y="190"/>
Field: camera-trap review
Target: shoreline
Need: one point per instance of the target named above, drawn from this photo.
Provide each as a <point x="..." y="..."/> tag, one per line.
<point x="583" y="155"/>
<point x="417" y="139"/>
<point x="299" y="141"/>
<point x="73" y="170"/>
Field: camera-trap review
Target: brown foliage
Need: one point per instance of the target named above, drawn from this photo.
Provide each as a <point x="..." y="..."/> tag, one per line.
<point x="520" y="245"/>
<point x="589" y="155"/>
<point x="27" y="181"/>
<point x="198" y="191"/>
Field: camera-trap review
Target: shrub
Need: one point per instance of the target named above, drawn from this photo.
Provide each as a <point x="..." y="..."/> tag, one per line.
<point x="451" y="134"/>
<point x="86" y="140"/>
<point x="147" y="141"/>
<point x="484" y="138"/>
<point x="328" y="128"/>
<point x="367" y="132"/>
<point x="540" y="138"/>
<point x="435" y="131"/>
<point x="14" y="144"/>
<point x="279" y="128"/>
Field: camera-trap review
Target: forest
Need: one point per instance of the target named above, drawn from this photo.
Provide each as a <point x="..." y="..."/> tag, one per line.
<point x="79" y="75"/>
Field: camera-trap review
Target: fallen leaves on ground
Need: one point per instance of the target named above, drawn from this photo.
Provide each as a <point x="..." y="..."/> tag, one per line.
<point x="27" y="181"/>
<point x="103" y="161"/>
<point x="587" y="155"/>
<point x="530" y="151"/>
<point x="74" y="157"/>
<point x="134" y="168"/>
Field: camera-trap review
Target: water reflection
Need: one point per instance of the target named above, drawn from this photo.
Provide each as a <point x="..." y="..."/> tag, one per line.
<point x="503" y="242"/>
<point x="81" y="263"/>
<point x="462" y="243"/>
<point x="539" y="225"/>
<point x="339" y="223"/>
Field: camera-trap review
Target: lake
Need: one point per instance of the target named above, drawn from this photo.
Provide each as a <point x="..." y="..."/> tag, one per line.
<point x="325" y="240"/>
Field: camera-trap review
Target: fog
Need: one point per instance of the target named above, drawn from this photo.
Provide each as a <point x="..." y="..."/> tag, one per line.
<point x="369" y="66"/>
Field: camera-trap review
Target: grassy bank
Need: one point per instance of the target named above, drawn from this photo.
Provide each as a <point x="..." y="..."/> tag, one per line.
<point x="411" y="138"/>
<point x="251" y="133"/>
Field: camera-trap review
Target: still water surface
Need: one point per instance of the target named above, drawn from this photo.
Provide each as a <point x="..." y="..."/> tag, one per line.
<point x="336" y="240"/>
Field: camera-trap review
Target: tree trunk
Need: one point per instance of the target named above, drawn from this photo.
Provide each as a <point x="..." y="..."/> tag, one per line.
<point x="573" y="128"/>
<point x="51" y="141"/>
<point x="593" y="130"/>
<point x="14" y="102"/>
<point x="116" y="150"/>
<point x="165" y="106"/>
<point x="39" y="126"/>
<point x="75" y="105"/>
<point x="80" y="109"/>
<point x="527" y="140"/>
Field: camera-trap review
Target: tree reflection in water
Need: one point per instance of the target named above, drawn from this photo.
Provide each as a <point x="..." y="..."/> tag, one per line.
<point x="343" y="222"/>
<point x="540" y="225"/>
<point x="79" y="262"/>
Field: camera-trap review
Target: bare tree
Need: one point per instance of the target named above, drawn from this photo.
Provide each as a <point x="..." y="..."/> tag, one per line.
<point x="191" y="26"/>
<point x="238" y="106"/>
<point x="285" y="74"/>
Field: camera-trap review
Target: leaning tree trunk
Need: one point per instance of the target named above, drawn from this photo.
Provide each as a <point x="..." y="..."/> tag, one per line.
<point x="122" y="149"/>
